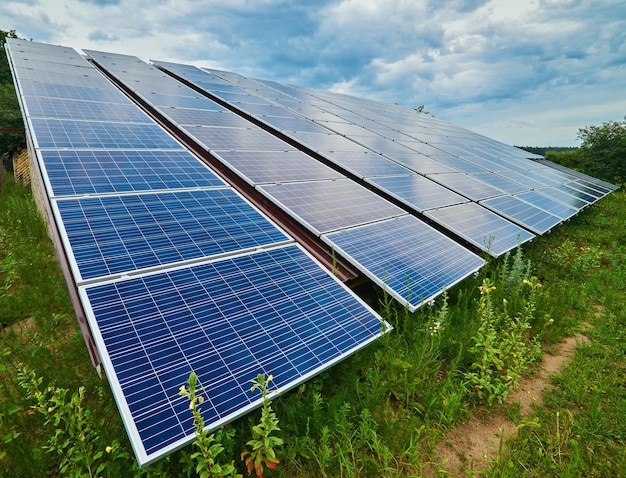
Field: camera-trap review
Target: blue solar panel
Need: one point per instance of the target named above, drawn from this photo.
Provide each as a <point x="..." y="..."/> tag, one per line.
<point x="117" y="234"/>
<point x="418" y="192"/>
<point x="324" y="206"/>
<point x="366" y="164"/>
<point x="577" y="193"/>
<point x="421" y="164"/>
<point x="466" y="185"/>
<point x="242" y="139"/>
<point x="187" y="116"/>
<point x="84" y="110"/>
<point x="522" y="213"/>
<point x="547" y="204"/>
<point x="97" y="172"/>
<point x="563" y="197"/>
<point x="481" y="227"/>
<point x="259" y="167"/>
<point x="406" y="257"/>
<point x="284" y="316"/>
<point x="58" y="134"/>
<point x="500" y="182"/>
<point x="86" y="93"/>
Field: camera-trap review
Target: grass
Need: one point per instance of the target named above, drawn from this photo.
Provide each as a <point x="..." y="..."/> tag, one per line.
<point x="379" y="413"/>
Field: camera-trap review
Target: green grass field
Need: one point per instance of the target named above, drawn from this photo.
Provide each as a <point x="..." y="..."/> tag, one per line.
<point x="379" y="413"/>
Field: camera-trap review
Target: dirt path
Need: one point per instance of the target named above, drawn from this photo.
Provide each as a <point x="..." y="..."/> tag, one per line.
<point x="474" y="444"/>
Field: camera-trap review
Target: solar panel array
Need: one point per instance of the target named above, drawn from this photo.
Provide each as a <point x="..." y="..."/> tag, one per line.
<point x="323" y="200"/>
<point x="437" y="167"/>
<point x="177" y="272"/>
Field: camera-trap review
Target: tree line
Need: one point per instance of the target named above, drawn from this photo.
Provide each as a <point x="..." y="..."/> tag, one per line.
<point x="11" y="123"/>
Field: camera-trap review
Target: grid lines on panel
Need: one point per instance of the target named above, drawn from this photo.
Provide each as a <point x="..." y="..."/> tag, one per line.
<point x="324" y="206"/>
<point x="480" y="226"/>
<point x="117" y="234"/>
<point x="58" y="134"/>
<point x="115" y="171"/>
<point x="422" y="264"/>
<point x="273" y="312"/>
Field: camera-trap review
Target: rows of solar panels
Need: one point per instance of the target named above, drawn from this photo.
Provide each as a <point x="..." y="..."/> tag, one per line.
<point x="176" y="271"/>
<point x="401" y="253"/>
<point x="487" y="192"/>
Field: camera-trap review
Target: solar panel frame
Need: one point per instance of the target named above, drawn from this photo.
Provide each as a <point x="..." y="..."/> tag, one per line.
<point x="524" y="214"/>
<point x="469" y="220"/>
<point x="59" y="134"/>
<point x="429" y="263"/>
<point x="263" y="167"/>
<point x="324" y="206"/>
<point x="121" y="234"/>
<point x="80" y="172"/>
<point x="417" y="192"/>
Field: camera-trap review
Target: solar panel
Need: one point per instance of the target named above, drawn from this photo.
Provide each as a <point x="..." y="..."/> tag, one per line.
<point x="59" y="134"/>
<point x="500" y="182"/>
<point x="259" y="167"/>
<point x="186" y="116"/>
<point x="366" y="164"/>
<point x="324" y="206"/>
<point x="421" y="164"/>
<point x="242" y="139"/>
<point x="466" y="185"/>
<point x="563" y="197"/>
<point x="183" y="278"/>
<point x="483" y="228"/>
<point x="284" y="316"/>
<point x="547" y="204"/>
<point x="55" y="90"/>
<point x="84" y="110"/>
<point x="72" y="172"/>
<point x="117" y="234"/>
<point x="522" y="213"/>
<point x="418" y="192"/>
<point x="408" y="259"/>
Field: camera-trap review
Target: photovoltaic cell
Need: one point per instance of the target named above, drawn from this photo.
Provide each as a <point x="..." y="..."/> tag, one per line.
<point x="72" y="172"/>
<point x="563" y="198"/>
<point x="58" y="134"/>
<point x="219" y="139"/>
<point x="324" y="206"/>
<point x="86" y="93"/>
<point x="466" y="185"/>
<point x="481" y="227"/>
<point x="259" y="167"/>
<point x="500" y="182"/>
<point x="366" y="164"/>
<point x="250" y="303"/>
<point x="547" y="204"/>
<point x="407" y="258"/>
<point x="418" y="192"/>
<point x="120" y="234"/>
<point x="272" y="312"/>
<point x="522" y="213"/>
<point x="85" y="110"/>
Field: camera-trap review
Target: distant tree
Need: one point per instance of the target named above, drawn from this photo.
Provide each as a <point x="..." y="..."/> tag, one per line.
<point x="10" y="114"/>
<point x="603" y="150"/>
<point x="571" y="158"/>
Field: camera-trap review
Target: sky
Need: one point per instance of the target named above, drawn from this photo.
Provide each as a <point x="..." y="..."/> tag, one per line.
<point x="524" y="72"/>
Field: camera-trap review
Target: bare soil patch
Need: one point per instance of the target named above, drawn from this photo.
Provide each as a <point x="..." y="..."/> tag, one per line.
<point x="475" y="444"/>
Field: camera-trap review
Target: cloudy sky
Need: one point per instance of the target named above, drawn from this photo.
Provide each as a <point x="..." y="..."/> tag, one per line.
<point x="526" y="72"/>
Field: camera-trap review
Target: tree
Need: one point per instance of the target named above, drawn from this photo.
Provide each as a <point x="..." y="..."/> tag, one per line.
<point x="603" y="150"/>
<point x="10" y="115"/>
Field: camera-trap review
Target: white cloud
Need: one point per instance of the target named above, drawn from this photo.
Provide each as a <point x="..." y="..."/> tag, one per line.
<point x="527" y="72"/>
